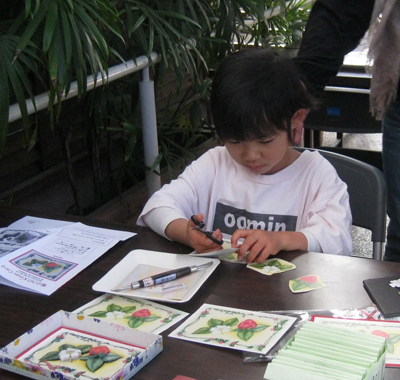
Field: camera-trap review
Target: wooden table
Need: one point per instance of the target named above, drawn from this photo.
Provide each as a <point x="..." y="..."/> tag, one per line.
<point x="231" y="285"/>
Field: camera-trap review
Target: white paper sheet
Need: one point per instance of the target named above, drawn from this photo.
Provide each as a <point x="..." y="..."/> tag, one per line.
<point x="41" y="255"/>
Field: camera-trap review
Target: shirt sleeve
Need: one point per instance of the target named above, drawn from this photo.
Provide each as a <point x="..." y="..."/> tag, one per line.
<point x="327" y="215"/>
<point x="334" y="28"/>
<point x="313" y="244"/>
<point x="159" y="218"/>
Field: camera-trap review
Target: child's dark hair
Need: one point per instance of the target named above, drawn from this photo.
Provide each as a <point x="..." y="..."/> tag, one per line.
<point x="255" y="93"/>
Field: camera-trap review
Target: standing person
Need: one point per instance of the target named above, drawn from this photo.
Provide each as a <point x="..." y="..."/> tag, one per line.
<point x="256" y="188"/>
<point x="334" y="28"/>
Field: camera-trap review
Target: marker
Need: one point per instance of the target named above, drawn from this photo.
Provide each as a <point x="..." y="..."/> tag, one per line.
<point x="163" y="277"/>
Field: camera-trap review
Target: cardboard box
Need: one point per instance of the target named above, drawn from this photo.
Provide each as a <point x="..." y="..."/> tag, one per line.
<point x="70" y="346"/>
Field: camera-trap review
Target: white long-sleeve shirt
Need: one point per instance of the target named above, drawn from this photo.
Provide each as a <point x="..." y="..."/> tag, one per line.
<point x="307" y="196"/>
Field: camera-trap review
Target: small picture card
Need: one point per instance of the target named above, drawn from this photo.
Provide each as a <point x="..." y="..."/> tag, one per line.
<point x="272" y="266"/>
<point x="306" y="283"/>
<point x="42" y="265"/>
<point x="136" y="313"/>
<point x="234" y="328"/>
<point x="83" y="355"/>
<point x="390" y="330"/>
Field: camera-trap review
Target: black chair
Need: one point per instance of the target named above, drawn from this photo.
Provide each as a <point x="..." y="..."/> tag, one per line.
<point x="367" y="191"/>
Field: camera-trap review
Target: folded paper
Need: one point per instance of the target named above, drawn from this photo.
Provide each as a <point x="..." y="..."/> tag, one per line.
<point x="321" y="352"/>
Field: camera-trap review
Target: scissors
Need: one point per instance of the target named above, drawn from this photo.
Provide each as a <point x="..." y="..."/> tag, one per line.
<point x="200" y="225"/>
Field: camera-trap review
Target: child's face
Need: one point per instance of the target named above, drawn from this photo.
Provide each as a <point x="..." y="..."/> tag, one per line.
<point x="263" y="156"/>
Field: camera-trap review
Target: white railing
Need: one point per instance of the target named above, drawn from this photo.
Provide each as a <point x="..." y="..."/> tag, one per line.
<point x="147" y="101"/>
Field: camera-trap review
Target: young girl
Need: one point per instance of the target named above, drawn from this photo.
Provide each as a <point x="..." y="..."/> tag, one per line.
<point x="256" y="188"/>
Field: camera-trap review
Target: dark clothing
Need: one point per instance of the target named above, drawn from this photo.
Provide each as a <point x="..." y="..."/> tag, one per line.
<point x="334" y="28"/>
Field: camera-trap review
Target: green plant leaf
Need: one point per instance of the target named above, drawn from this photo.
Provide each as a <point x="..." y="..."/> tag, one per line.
<point x="203" y="330"/>
<point x="231" y="322"/>
<point x="213" y="322"/>
<point x="259" y="328"/>
<point x="113" y="307"/>
<point x="135" y="322"/>
<point x="151" y="318"/>
<point x="50" y="356"/>
<point x="65" y="346"/>
<point x="245" y="334"/>
<point x="128" y="309"/>
<point x="94" y="363"/>
<point x="111" y="358"/>
<point x="50" y="24"/>
<point x="98" y="314"/>
<point x="85" y="348"/>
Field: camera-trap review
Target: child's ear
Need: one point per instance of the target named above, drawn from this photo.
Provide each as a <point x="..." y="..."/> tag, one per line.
<point x="298" y="124"/>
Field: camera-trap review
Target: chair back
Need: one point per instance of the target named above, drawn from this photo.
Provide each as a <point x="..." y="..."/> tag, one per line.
<point x="367" y="191"/>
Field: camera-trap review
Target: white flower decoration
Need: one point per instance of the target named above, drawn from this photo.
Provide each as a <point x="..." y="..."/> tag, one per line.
<point x="69" y="354"/>
<point x="395" y="283"/>
<point x="220" y="329"/>
<point x="271" y="269"/>
<point x="115" y="314"/>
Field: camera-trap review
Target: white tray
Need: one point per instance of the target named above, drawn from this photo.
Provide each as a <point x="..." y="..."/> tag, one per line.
<point x="132" y="268"/>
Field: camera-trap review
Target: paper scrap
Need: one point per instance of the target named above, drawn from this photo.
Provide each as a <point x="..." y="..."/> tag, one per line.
<point x="306" y="283"/>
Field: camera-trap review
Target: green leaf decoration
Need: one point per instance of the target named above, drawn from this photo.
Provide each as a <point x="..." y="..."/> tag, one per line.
<point x="212" y="322"/>
<point x="389" y="347"/>
<point x="98" y="314"/>
<point x="245" y="334"/>
<point x="258" y="265"/>
<point x="203" y="330"/>
<point x="128" y="309"/>
<point x="394" y="338"/>
<point x="135" y="322"/>
<point x="50" y="356"/>
<point x="151" y="318"/>
<point x="298" y="285"/>
<point x="231" y="322"/>
<point x="94" y="363"/>
<point x="65" y="346"/>
<point x="113" y="307"/>
<point x="260" y="328"/>
<point x="85" y="348"/>
<point x="285" y="267"/>
<point x="111" y="358"/>
<point x="274" y="263"/>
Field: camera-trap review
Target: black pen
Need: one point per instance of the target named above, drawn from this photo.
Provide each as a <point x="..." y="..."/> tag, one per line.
<point x="160" y="278"/>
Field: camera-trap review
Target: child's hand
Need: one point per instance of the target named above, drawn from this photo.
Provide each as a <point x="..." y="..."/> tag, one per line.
<point x="199" y="241"/>
<point x="260" y="244"/>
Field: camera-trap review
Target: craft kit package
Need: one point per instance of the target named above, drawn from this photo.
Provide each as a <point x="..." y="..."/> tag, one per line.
<point x="321" y="352"/>
<point x="71" y="346"/>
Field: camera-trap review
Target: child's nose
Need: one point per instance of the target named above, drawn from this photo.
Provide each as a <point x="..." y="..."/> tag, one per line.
<point x="251" y="154"/>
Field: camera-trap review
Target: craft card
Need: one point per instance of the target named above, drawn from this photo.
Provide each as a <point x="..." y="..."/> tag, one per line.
<point x="135" y="313"/>
<point x="82" y="355"/>
<point x="390" y="330"/>
<point x="306" y="284"/>
<point x="234" y="328"/>
<point x="272" y="266"/>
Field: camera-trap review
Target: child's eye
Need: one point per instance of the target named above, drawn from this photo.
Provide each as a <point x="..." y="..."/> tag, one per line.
<point x="266" y="141"/>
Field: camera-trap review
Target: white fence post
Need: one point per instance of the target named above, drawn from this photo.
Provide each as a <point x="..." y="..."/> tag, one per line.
<point x="149" y="131"/>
